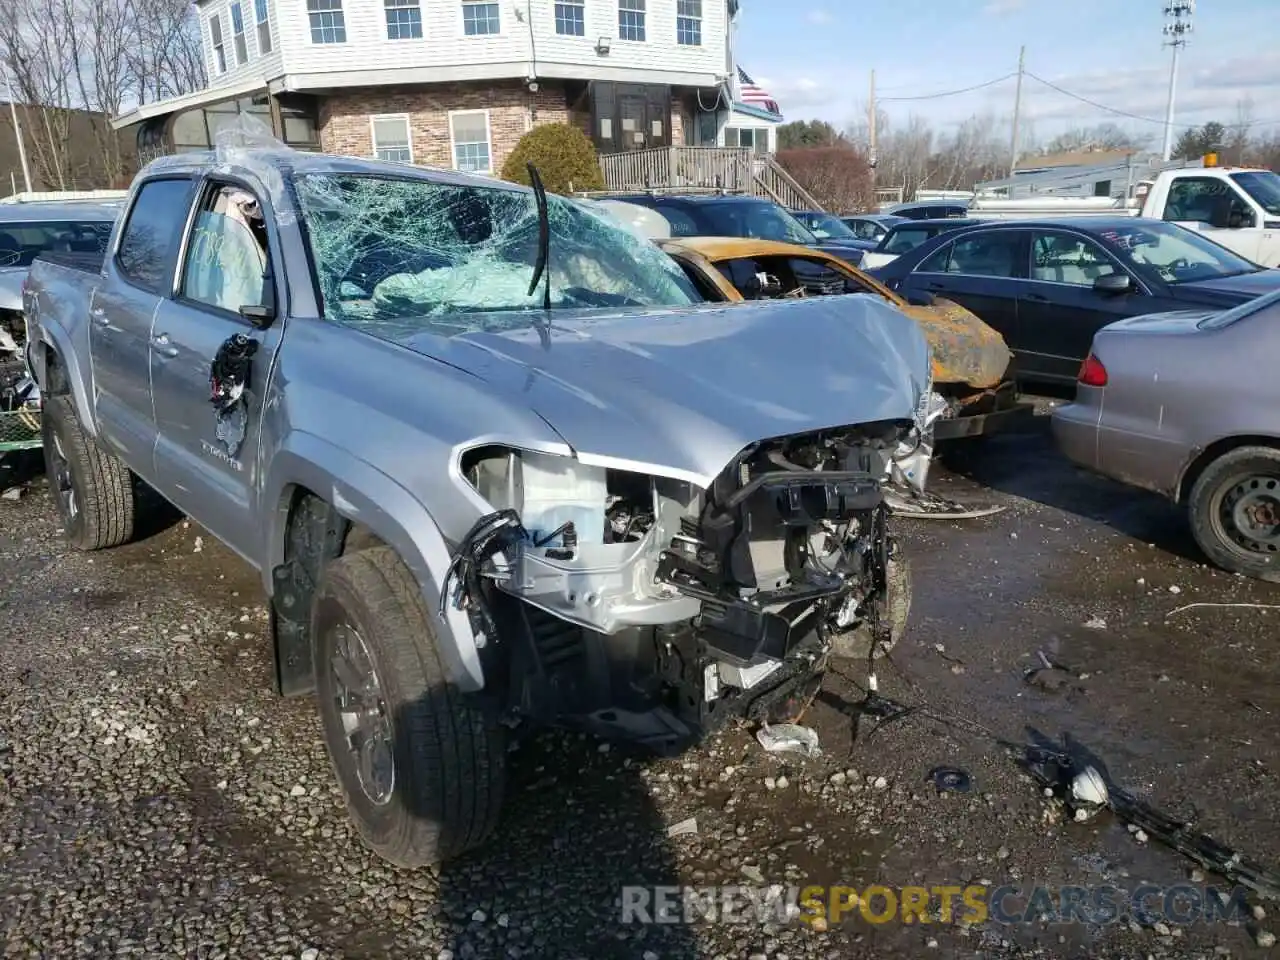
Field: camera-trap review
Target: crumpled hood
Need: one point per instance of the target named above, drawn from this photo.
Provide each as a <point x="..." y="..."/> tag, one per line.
<point x="681" y="391"/>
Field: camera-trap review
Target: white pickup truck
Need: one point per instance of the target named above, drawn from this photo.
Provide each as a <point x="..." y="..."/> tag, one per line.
<point x="1239" y="207"/>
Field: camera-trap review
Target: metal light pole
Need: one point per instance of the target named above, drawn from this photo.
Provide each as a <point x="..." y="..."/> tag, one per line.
<point x="17" y="130"/>
<point x="1177" y="14"/>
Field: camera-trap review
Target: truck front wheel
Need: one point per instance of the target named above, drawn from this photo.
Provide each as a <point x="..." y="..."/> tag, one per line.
<point x="421" y="764"/>
<point x="91" y="486"/>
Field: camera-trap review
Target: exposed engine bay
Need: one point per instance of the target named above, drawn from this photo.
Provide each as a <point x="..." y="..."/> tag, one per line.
<point x="646" y="606"/>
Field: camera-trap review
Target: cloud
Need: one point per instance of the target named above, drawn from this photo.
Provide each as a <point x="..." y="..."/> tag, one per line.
<point x="999" y="8"/>
<point x="800" y="94"/>
<point x="819" y="16"/>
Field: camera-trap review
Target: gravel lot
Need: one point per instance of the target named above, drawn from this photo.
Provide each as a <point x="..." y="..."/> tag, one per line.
<point x="158" y="799"/>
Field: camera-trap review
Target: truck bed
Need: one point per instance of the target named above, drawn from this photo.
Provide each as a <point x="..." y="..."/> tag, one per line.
<point x="83" y="262"/>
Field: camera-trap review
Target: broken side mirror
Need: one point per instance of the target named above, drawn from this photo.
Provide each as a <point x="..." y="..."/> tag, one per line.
<point x="261" y="315"/>
<point x="1113" y="283"/>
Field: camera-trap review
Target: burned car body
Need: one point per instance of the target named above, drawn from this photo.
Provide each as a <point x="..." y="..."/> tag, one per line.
<point x="492" y="457"/>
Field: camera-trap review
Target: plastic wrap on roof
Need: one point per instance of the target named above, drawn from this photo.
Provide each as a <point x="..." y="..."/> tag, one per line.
<point x="395" y="253"/>
<point x="241" y="144"/>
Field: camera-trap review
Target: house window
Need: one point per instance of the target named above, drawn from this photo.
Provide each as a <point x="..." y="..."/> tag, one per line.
<point x="327" y="23"/>
<point x="469" y="130"/>
<point x="264" y="25"/>
<point x="237" y="33"/>
<point x="571" y="19"/>
<point x="219" y="48"/>
<point x="479" y="17"/>
<point x="404" y="19"/>
<point x="631" y="20"/>
<point x="689" y="22"/>
<point x="391" y="139"/>
<point x="745" y="137"/>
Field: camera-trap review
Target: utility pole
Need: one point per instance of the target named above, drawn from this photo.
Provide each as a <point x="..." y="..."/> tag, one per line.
<point x="871" y="130"/>
<point x="1177" y="14"/>
<point x="17" y="130"/>
<point x="1017" y="110"/>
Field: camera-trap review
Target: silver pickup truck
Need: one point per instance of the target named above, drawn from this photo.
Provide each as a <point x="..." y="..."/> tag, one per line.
<point x="492" y="458"/>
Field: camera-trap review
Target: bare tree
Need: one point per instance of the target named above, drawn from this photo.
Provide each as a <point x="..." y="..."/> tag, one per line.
<point x="168" y="55"/>
<point x="1104" y="136"/>
<point x="1235" y="145"/>
<point x="38" y="46"/>
<point x="100" y="49"/>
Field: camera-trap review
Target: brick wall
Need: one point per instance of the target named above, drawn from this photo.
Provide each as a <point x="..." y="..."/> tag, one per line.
<point x="345" y="127"/>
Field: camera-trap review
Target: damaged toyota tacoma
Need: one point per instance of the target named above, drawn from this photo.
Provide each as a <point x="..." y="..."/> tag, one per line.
<point x="497" y="465"/>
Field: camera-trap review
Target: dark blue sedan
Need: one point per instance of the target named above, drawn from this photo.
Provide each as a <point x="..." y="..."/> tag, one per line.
<point x="1049" y="285"/>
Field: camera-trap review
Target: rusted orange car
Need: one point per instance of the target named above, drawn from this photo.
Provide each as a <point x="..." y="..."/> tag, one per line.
<point x="971" y="363"/>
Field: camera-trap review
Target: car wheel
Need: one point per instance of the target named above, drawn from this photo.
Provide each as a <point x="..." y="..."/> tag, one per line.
<point x="1235" y="512"/>
<point x="856" y="644"/>
<point x="93" y="488"/>
<point x="421" y="765"/>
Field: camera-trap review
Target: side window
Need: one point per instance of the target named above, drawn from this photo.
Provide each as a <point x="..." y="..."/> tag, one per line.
<point x="227" y="259"/>
<point x="706" y="289"/>
<point x="1193" y="198"/>
<point x="900" y="241"/>
<point x="1065" y="258"/>
<point x="988" y="255"/>
<point x="937" y="261"/>
<point x="150" y="238"/>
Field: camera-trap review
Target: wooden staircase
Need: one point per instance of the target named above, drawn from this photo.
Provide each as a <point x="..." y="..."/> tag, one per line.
<point x="731" y="169"/>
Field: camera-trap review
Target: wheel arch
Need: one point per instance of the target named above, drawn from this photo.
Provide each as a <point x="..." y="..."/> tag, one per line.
<point x="370" y="508"/>
<point x="1200" y="462"/>
<point x="57" y="371"/>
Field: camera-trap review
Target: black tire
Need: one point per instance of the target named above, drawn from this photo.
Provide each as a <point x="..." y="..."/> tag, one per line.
<point x="856" y="644"/>
<point x="92" y="487"/>
<point x="1243" y="480"/>
<point x="448" y="749"/>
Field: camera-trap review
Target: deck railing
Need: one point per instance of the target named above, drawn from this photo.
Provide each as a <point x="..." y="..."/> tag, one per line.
<point x="732" y="169"/>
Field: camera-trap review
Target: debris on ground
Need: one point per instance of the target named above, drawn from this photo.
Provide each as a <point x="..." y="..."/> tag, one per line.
<point x="789" y="738"/>
<point x="1089" y="793"/>
<point x="929" y="506"/>
<point x="951" y="780"/>
<point x="13" y="493"/>
<point x="1247" y="606"/>
<point x="1095" y="623"/>
<point x="683" y="827"/>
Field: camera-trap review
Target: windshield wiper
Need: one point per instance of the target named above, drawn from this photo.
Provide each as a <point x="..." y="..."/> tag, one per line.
<point x="542" y="265"/>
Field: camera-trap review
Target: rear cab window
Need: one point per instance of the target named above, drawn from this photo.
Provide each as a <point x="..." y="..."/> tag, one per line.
<point x="148" y="246"/>
<point x="22" y="241"/>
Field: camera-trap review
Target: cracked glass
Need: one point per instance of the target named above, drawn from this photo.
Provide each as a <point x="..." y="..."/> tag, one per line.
<point x="398" y="256"/>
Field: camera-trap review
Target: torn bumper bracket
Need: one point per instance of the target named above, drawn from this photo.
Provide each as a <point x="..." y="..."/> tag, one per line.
<point x="463" y="586"/>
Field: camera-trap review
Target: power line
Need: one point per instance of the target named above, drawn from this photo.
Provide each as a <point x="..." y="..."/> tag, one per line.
<point x="953" y="93"/>
<point x="1134" y="116"/>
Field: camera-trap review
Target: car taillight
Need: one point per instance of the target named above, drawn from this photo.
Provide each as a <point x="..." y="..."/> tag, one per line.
<point x="1092" y="372"/>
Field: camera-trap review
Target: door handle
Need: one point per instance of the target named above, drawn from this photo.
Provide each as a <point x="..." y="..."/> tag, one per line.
<point x="99" y="316"/>
<point x="161" y="342"/>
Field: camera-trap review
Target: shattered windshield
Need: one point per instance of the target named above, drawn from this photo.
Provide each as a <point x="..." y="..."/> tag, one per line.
<point x="416" y="253"/>
<point x="1174" y="254"/>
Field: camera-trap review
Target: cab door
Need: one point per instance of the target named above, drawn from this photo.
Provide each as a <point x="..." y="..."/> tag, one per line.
<point x="226" y="306"/>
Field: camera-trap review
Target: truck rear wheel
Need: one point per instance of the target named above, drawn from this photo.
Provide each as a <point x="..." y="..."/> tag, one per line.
<point x="421" y="764"/>
<point x="91" y="486"/>
<point x="1235" y="512"/>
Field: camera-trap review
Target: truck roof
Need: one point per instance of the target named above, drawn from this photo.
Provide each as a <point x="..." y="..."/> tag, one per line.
<point x="38" y="211"/>
<point x="255" y="160"/>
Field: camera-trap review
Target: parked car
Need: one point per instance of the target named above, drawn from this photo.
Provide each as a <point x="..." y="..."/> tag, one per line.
<point x="1187" y="404"/>
<point x="971" y="364"/>
<point x="871" y="227"/>
<point x="905" y="236"/>
<point x="1049" y="285"/>
<point x="930" y="209"/>
<point x="721" y="215"/>
<point x="491" y="456"/>
<point x="827" y="226"/>
<point x="30" y="229"/>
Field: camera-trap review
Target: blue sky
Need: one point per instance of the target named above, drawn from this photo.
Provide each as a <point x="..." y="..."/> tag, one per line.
<point x="815" y="56"/>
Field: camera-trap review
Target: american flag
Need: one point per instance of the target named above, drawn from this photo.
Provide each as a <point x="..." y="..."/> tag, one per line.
<point x="755" y="96"/>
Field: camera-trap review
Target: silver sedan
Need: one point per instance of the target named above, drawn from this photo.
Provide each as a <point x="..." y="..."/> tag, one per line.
<point x="1188" y="404"/>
